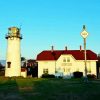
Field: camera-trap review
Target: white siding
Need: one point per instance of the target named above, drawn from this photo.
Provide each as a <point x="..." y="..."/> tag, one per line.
<point x="66" y="68"/>
<point x="13" y="56"/>
<point x="50" y="65"/>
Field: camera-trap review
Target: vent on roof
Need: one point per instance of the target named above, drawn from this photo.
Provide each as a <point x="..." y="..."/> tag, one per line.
<point x="80" y="48"/>
<point x="52" y="48"/>
<point x="65" y="47"/>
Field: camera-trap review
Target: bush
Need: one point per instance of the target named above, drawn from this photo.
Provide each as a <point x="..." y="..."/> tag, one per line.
<point x="91" y="76"/>
<point x="60" y="77"/>
<point x="78" y="74"/>
<point x="48" y="76"/>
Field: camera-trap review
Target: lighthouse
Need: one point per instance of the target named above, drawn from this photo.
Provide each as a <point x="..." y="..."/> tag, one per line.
<point x="13" y="56"/>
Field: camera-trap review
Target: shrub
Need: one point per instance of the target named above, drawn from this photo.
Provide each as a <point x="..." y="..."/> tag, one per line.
<point x="48" y="76"/>
<point x="60" y="77"/>
<point x="78" y="74"/>
<point x="91" y="76"/>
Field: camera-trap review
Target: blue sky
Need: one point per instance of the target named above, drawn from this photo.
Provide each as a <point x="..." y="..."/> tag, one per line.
<point x="50" y="22"/>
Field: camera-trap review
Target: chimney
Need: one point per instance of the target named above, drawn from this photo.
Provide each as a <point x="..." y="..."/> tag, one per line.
<point x="80" y="48"/>
<point x="65" y="47"/>
<point x="52" y="48"/>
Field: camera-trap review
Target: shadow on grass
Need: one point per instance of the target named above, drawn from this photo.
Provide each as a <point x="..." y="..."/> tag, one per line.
<point x="48" y="89"/>
<point x="9" y="89"/>
<point x="59" y="89"/>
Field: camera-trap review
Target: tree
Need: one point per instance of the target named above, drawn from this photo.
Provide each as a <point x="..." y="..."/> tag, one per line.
<point x="23" y="59"/>
<point x="1" y="66"/>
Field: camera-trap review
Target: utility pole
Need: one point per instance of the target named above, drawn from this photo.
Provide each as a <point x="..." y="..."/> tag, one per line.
<point x="84" y="34"/>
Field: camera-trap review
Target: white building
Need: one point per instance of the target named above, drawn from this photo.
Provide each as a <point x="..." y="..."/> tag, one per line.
<point x="65" y="62"/>
<point x="13" y="57"/>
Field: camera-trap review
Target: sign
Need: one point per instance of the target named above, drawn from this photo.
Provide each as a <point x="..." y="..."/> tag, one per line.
<point x="66" y="64"/>
<point x="84" y="34"/>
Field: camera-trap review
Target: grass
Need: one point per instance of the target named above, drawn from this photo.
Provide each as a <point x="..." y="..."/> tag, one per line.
<point x="48" y="89"/>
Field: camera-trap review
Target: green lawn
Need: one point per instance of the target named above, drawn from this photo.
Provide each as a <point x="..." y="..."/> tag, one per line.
<point x="48" y="89"/>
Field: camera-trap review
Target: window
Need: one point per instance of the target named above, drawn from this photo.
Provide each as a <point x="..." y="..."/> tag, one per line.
<point x="64" y="60"/>
<point x="64" y="69"/>
<point x="67" y="69"/>
<point x="68" y="59"/>
<point x="45" y="71"/>
<point x="8" y="64"/>
<point x="29" y="69"/>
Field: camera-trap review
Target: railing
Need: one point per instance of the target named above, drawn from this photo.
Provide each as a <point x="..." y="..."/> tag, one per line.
<point x="13" y="35"/>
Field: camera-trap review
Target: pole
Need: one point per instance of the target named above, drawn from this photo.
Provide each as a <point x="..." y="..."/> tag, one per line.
<point x="85" y="60"/>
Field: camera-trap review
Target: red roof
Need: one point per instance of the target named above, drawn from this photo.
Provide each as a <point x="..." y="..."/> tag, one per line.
<point x="77" y="54"/>
<point x="23" y="69"/>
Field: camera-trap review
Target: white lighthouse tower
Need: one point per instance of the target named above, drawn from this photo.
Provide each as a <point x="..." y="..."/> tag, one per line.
<point x="13" y="57"/>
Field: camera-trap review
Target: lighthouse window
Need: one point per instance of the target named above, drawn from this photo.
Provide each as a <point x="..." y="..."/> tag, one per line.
<point x="9" y="64"/>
